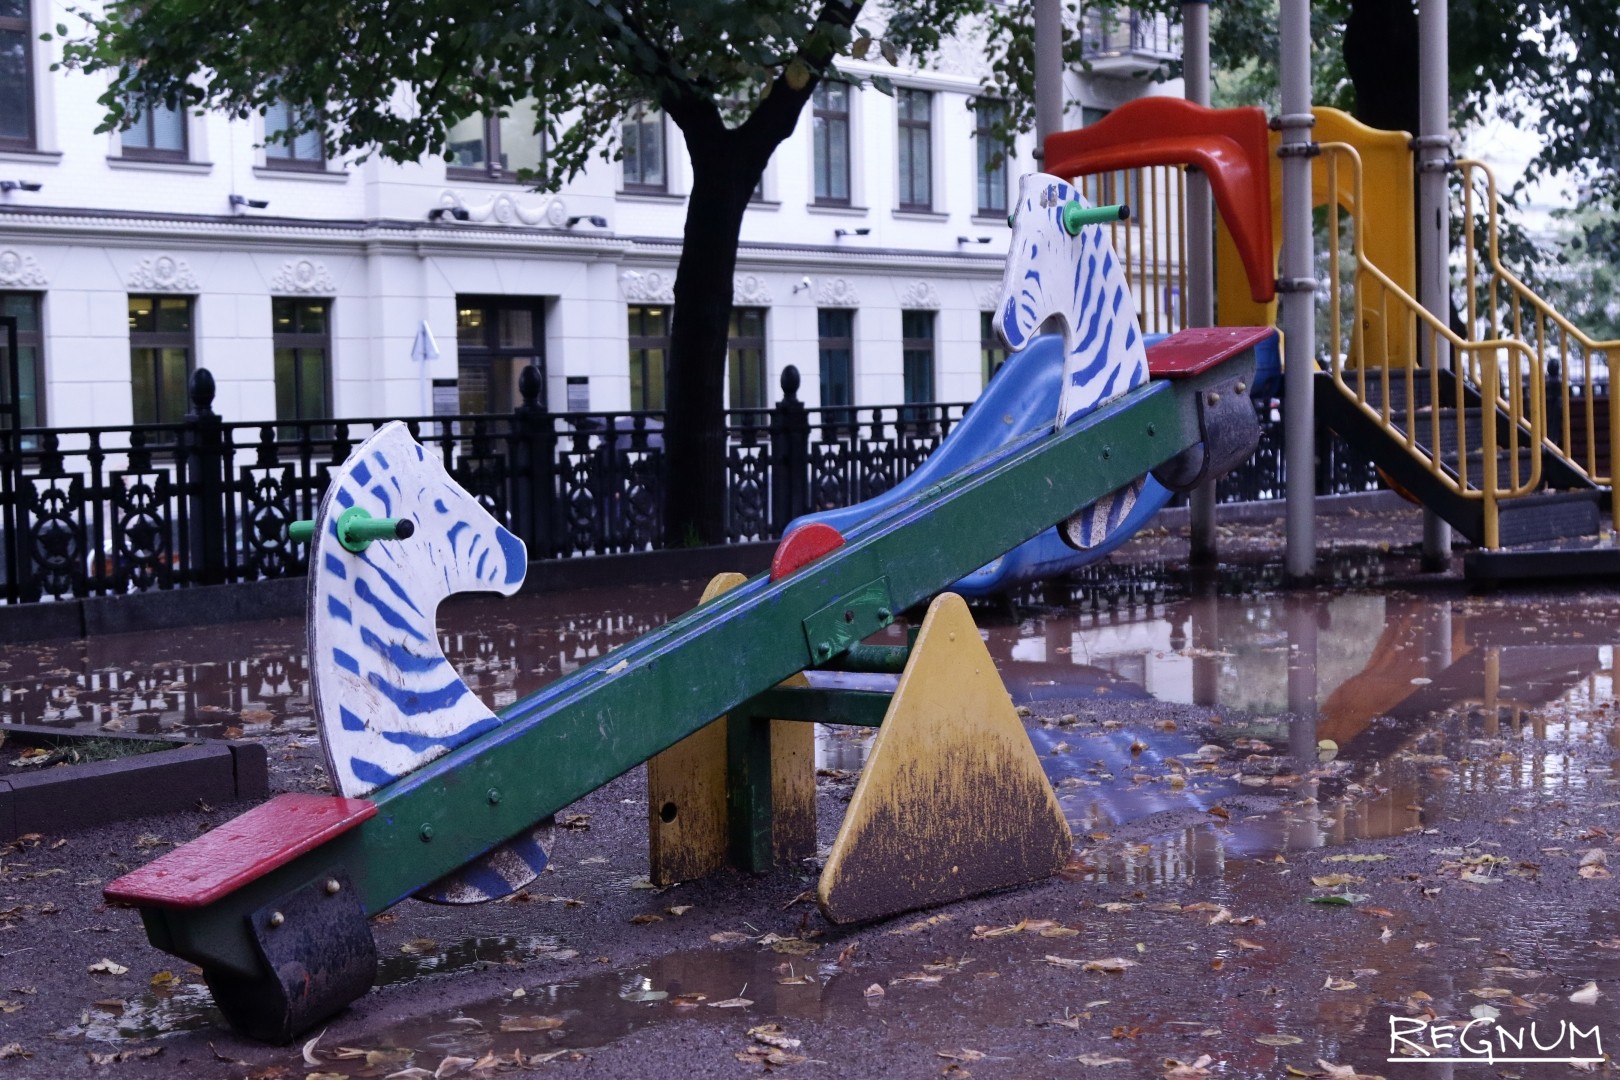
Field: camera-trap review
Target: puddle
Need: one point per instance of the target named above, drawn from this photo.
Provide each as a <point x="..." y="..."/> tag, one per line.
<point x="510" y="950"/>
<point x="148" y="1016"/>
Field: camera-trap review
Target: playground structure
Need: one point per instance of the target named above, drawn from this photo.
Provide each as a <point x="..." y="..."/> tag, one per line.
<point x="440" y="799"/>
<point x="1501" y="429"/>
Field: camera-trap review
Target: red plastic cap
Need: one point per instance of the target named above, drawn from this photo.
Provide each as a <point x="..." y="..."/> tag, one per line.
<point x="804" y="545"/>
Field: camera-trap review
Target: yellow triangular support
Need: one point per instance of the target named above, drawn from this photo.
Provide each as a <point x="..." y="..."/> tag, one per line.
<point x="952" y="802"/>
<point x="686" y="791"/>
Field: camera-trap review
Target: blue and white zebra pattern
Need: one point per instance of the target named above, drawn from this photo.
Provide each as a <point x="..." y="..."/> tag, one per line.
<point x="1078" y="279"/>
<point x="386" y="699"/>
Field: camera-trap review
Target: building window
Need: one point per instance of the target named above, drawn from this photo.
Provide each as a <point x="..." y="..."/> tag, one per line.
<point x="649" y="356"/>
<point x="836" y="327"/>
<point x="746" y="358"/>
<point x="496" y="338"/>
<point x="301" y="332"/>
<point x="992" y="353"/>
<point x="158" y="134"/>
<point x="916" y="152"/>
<point x="993" y="153"/>
<point x="484" y="147"/>
<point x="160" y="357"/>
<point x="304" y="152"/>
<point x="22" y="398"/>
<point x="830" y="123"/>
<point x="643" y="130"/>
<point x="16" y="77"/>
<point x="917" y="357"/>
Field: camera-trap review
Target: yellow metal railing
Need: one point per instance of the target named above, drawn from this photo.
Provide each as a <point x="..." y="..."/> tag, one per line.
<point x="1499" y="305"/>
<point x="1152" y="245"/>
<point x="1504" y="370"/>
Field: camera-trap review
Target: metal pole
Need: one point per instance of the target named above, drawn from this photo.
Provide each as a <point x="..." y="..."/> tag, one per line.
<point x="1048" y="72"/>
<point x="1434" y="209"/>
<point x="1200" y="226"/>
<point x="1298" y="289"/>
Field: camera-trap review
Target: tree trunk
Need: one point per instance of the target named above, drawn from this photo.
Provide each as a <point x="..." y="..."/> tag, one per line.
<point x="695" y="425"/>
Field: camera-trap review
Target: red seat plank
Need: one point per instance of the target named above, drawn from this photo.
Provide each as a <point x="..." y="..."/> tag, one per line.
<point x="243" y="849"/>
<point x="1197" y="349"/>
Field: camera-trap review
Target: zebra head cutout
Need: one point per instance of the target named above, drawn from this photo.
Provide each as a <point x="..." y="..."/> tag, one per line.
<point x="1077" y="279"/>
<point x="386" y="700"/>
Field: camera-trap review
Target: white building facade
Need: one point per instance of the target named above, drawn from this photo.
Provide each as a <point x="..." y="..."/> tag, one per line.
<point x="868" y="260"/>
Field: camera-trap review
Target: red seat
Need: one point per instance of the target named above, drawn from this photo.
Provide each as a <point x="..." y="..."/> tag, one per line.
<point x="246" y="848"/>
<point x="1197" y="349"/>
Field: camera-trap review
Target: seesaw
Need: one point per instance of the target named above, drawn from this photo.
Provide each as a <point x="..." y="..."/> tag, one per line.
<point x="440" y="799"/>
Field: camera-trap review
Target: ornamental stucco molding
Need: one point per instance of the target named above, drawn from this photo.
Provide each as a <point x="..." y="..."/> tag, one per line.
<point x="919" y="295"/>
<point x="837" y="292"/>
<point x="303" y="276"/>
<point x="990" y="298"/>
<point x="647" y="287"/>
<point x="163" y="273"/>
<point x="17" y="268"/>
<point x="750" y="290"/>
<point x="504" y="209"/>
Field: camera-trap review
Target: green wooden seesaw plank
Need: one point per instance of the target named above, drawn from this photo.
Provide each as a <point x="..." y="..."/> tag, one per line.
<point x="572" y="737"/>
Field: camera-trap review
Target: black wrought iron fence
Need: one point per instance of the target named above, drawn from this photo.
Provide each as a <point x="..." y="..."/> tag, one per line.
<point x="111" y="510"/>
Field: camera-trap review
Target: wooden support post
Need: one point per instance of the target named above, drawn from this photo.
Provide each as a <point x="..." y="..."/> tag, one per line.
<point x="953" y="801"/>
<point x="694" y="828"/>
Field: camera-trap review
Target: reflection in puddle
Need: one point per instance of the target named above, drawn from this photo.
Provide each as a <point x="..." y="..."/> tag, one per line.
<point x="469" y="952"/>
<point x="147" y="1016"/>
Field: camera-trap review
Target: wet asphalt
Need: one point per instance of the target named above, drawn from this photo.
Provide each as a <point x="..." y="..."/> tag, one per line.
<point x="1445" y="764"/>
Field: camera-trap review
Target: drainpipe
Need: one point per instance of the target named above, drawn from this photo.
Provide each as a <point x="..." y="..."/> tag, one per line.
<point x="1434" y="209"/>
<point x="1298" y="289"/>
<point x="1200" y="298"/>
<point x="1048" y="73"/>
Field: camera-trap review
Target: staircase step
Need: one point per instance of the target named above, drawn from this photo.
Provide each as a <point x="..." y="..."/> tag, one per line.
<point x="1547" y="515"/>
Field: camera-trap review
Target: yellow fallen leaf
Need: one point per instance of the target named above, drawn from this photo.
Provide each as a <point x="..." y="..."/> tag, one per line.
<point x="1278" y="1040"/>
<point x="105" y="966"/>
<point x="1333" y="881"/>
<point x="531" y="1023"/>
<point x="1338" y="984"/>
<point x="731" y="1003"/>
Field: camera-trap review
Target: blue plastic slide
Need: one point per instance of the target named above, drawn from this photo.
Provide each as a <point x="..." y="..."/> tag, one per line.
<point x="1021" y="397"/>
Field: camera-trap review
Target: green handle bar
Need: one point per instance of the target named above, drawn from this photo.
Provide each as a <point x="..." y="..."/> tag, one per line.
<point x="356" y="529"/>
<point x="1075" y="215"/>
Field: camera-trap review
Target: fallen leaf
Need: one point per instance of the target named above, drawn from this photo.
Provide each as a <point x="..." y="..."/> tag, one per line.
<point x="730" y="937"/>
<point x="679" y="909"/>
<point x="531" y="1023"/>
<point x="1245" y="943"/>
<point x="309" y="1049"/>
<point x="773" y="1035"/>
<point x="1338" y="984"/>
<point x="451" y="1066"/>
<point x="165" y="980"/>
<point x="105" y="966"/>
<point x="1334" y="881"/>
<point x="1356" y="858"/>
<point x="1278" y="1040"/>
<point x="1187" y="1070"/>
<point x="14" y="1050"/>
<point x="644" y="919"/>
<point x="874" y="991"/>
<point x="731" y="1003"/>
<point x="419" y="946"/>
<point x="1586" y="995"/>
<point x="1098" y="1060"/>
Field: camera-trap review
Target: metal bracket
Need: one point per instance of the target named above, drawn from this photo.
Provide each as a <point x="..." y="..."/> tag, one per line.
<point x="1435" y="165"/>
<point x="317" y="955"/>
<point x="1430" y="142"/>
<point x="1298" y="149"/>
<point x="847" y="620"/>
<point x="1289" y="121"/>
<point x="1296" y="284"/>
<point x="1228" y="431"/>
